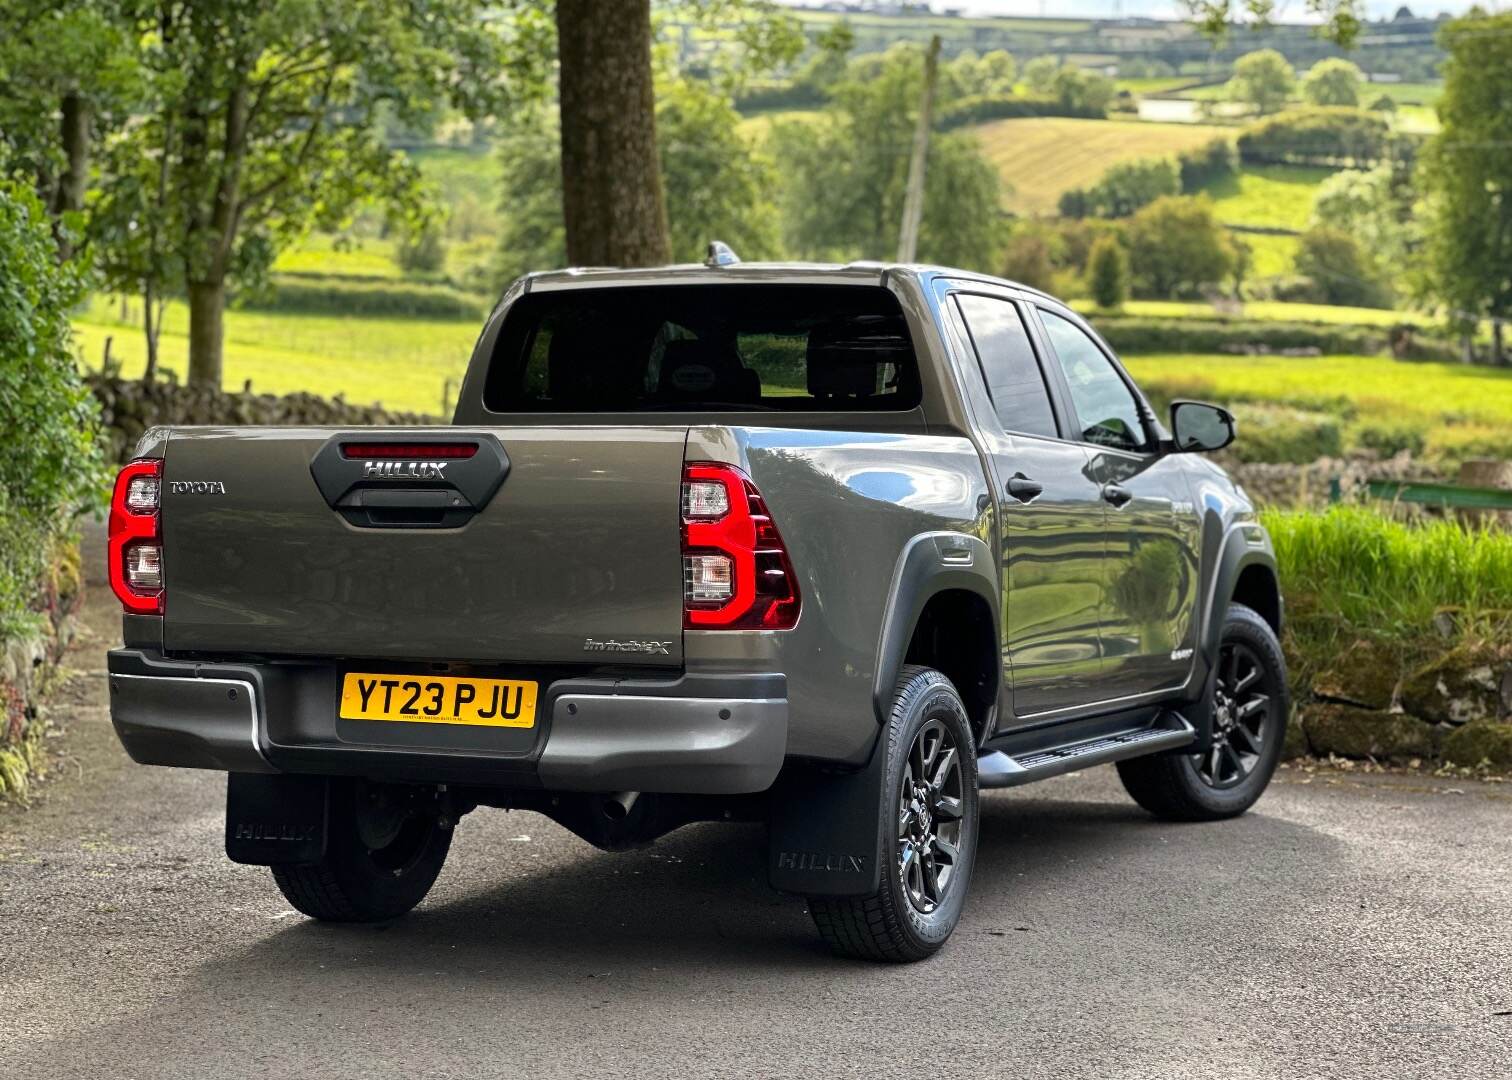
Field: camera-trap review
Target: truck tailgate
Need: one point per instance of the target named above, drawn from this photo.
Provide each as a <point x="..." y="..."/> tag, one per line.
<point x="580" y="541"/>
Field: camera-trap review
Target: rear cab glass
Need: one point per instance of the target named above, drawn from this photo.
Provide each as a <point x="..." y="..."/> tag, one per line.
<point x="735" y="347"/>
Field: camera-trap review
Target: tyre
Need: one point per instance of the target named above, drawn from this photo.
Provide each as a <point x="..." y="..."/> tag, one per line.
<point x="929" y="811"/>
<point x="386" y="845"/>
<point x="1249" y="727"/>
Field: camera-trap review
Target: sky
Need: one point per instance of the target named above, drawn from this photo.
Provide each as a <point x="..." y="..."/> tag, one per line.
<point x="1286" y="10"/>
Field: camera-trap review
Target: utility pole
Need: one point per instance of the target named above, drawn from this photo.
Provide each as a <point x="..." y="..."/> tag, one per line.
<point x="913" y="200"/>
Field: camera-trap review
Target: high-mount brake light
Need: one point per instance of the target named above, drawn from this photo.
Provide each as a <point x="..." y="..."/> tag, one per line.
<point x="135" y="548"/>
<point x="409" y="451"/>
<point x="736" y="570"/>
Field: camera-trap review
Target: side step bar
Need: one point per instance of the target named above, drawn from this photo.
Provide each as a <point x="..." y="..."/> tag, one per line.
<point x="998" y="770"/>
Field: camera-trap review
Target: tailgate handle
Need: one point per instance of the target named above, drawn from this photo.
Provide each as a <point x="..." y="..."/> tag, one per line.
<point x="406" y="507"/>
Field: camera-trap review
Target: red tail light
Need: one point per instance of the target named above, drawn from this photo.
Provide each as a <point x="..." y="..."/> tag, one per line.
<point x="409" y="450"/>
<point x="135" y="551"/>
<point x="736" y="571"/>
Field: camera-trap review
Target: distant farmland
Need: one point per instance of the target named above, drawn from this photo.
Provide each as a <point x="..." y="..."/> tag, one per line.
<point x="1045" y="156"/>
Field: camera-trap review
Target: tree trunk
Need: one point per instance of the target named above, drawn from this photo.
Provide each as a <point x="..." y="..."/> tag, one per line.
<point x="207" y="304"/>
<point x="78" y="118"/>
<point x="913" y="198"/>
<point x="149" y="373"/>
<point x="611" y="177"/>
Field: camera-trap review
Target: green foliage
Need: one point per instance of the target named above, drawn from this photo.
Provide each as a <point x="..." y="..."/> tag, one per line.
<point x="337" y="296"/>
<point x="1383" y="103"/>
<point x="51" y="468"/>
<point x="1341" y="20"/>
<point x="1377" y="208"/>
<point x="982" y="108"/>
<point x="1278" y="433"/>
<point x="845" y="174"/>
<point x="1028" y="261"/>
<point x="1125" y="188"/>
<point x="1178" y="246"/>
<point x="1334" y="81"/>
<point x="1077" y="88"/>
<point x="422" y="251"/>
<point x="1108" y="273"/>
<point x="1342" y="271"/>
<point x="1363" y="569"/>
<point x="1212" y="163"/>
<point x="1135" y="335"/>
<point x="970" y="75"/>
<point x="1039" y="74"/>
<point x="716" y="184"/>
<point x="1468" y="171"/>
<point x="1262" y="79"/>
<point x="1317" y="136"/>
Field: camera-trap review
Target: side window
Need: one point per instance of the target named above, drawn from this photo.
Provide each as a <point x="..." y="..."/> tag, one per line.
<point x="1105" y="407"/>
<point x="1013" y="375"/>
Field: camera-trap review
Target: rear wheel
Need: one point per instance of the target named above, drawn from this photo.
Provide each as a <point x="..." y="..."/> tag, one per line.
<point x="929" y="828"/>
<point x="386" y="845"/>
<point x="1249" y="726"/>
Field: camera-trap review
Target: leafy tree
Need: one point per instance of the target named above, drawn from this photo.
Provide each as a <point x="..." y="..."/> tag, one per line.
<point x="268" y="118"/>
<point x="67" y="75"/>
<point x="1124" y="188"/>
<point x="1178" y="246"/>
<point x="1377" y="208"/>
<point x="1383" y="103"/>
<point x="1039" y="74"/>
<point x="1077" y="89"/>
<point x="1342" y="271"/>
<point x="52" y="465"/>
<point x="1108" y="274"/>
<point x="845" y="173"/>
<point x="1468" y="174"/>
<point x="1209" y="163"/>
<point x="717" y="185"/>
<point x="1263" y="79"/>
<point x="1341" y="20"/>
<point x="1333" y="82"/>
<point x="1028" y="261"/>
<point x="422" y="250"/>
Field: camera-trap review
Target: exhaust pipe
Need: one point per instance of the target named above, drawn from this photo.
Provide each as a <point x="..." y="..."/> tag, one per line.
<point x="617" y="806"/>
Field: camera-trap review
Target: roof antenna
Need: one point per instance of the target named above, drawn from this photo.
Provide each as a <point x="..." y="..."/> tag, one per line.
<point x="720" y="254"/>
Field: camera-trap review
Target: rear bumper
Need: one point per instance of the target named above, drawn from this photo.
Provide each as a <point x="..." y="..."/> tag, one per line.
<point x="723" y="734"/>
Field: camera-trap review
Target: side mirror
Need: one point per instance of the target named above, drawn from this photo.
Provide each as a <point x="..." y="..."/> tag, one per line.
<point x="1196" y="425"/>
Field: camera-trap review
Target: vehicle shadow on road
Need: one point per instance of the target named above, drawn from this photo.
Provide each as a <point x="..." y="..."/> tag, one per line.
<point x="700" y="898"/>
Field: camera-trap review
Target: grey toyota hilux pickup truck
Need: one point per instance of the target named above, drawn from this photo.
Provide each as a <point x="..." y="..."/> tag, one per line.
<point x="831" y="548"/>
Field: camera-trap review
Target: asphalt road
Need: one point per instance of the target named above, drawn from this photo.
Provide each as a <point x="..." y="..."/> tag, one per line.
<point x="1347" y="927"/>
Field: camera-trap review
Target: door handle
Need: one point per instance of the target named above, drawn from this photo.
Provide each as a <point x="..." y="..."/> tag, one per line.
<point x="1116" y="495"/>
<point x="1024" y="489"/>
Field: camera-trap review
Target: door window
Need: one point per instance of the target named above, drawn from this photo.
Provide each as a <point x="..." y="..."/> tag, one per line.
<point x="1105" y="406"/>
<point x="1013" y="376"/>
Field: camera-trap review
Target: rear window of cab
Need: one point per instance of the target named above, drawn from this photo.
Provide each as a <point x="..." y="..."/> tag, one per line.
<point x="673" y="348"/>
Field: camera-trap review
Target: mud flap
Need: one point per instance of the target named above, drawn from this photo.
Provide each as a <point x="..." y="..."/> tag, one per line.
<point x="276" y="820"/>
<point x="826" y="829"/>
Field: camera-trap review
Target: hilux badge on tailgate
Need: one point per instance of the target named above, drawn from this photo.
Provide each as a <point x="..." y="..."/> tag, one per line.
<point x="404" y="470"/>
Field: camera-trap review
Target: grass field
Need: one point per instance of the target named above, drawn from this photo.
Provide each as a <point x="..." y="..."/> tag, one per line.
<point x="1042" y="157"/>
<point x="1449" y="411"/>
<point x="1277" y="196"/>
<point x="400" y="363"/>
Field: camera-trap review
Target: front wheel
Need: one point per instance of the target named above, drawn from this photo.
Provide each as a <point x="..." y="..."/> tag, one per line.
<point x="386" y="844"/>
<point x="1249" y="726"/>
<point x="929" y="810"/>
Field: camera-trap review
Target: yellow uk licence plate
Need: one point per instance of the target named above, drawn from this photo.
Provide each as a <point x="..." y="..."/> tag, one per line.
<point x="436" y="699"/>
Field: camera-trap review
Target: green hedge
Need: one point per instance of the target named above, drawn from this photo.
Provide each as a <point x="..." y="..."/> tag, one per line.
<point x="348" y="296"/>
<point x="1139" y="335"/>
<point x="1318" y="136"/>
<point x="981" y="108"/>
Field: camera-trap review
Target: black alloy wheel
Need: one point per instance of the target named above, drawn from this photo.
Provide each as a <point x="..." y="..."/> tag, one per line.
<point x="929" y="817"/>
